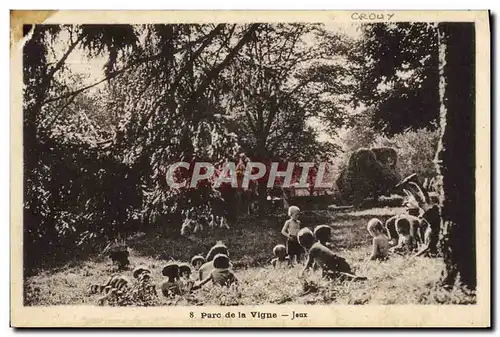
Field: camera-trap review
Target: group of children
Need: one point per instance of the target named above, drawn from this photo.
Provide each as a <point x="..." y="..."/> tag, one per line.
<point x="120" y="287"/>
<point x="402" y="234"/>
<point x="316" y="245"/>
<point x="181" y="278"/>
<point x="196" y="219"/>
<point x="216" y="267"/>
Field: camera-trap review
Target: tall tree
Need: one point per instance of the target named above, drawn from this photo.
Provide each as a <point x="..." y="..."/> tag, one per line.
<point x="45" y="221"/>
<point x="398" y="75"/>
<point x="284" y="77"/>
<point x="161" y="107"/>
<point x="456" y="155"/>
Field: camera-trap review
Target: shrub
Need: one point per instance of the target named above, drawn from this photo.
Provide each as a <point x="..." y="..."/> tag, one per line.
<point x="416" y="151"/>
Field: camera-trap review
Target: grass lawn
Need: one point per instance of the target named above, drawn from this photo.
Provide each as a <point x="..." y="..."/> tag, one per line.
<point x="250" y="242"/>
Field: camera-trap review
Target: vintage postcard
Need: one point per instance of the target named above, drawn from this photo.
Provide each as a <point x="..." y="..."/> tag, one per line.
<point x="250" y="169"/>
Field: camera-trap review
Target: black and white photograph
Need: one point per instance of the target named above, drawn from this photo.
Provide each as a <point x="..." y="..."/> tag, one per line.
<point x="245" y="163"/>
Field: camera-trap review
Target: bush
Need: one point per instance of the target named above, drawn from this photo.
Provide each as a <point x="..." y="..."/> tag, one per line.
<point x="75" y="197"/>
<point x="416" y="151"/>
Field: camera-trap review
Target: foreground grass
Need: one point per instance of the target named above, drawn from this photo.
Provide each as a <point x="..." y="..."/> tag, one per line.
<point x="397" y="281"/>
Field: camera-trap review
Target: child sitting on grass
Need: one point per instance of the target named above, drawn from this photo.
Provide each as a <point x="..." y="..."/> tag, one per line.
<point x="185" y="277"/>
<point x="381" y="244"/>
<point x="184" y="270"/>
<point x="173" y="285"/>
<point x="406" y="242"/>
<point x="221" y="274"/>
<point x="207" y="267"/>
<point x="197" y="261"/>
<point x="290" y="230"/>
<point x="323" y="234"/>
<point x="281" y="259"/>
<point x="333" y="266"/>
<point x="417" y="228"/>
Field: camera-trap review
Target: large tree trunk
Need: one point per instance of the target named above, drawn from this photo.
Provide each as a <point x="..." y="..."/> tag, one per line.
<point x="456" y="156"/>
<point x="34" y="71"/>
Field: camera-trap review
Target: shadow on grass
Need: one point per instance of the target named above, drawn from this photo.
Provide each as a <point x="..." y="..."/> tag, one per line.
<point x="250" y="240"/>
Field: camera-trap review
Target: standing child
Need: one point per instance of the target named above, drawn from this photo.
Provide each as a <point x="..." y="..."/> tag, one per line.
<point x="381" y="243"/>
<point x="213" y="221"/>
<point x="198" y="223"/>
<point x="290" y="231"/>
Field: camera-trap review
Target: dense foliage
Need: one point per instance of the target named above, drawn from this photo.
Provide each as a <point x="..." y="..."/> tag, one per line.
<point x="98" y="143"/>
<point x="398" y="71"/>
<point x="416" y="147"/>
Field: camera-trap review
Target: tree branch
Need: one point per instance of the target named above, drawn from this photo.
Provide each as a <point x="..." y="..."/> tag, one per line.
<point x="296" y="88"/>
<point x="104" y="79"/>
<point x="195" y="55"/>
<point x="216" y="70"/>
<point x="60" y="112"/>
<point x="114" y="73"/>
<point x="63" y="59"/>
<point x="208" y="38"/>
<point x="250" y="121"/>
<point x="272" y="114"/>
